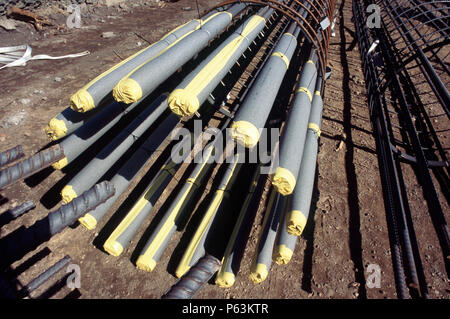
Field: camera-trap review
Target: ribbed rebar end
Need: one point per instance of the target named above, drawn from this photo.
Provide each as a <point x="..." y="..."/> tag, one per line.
<point x="284" y="181"/>
<point x="183" y="103"/>
<point x="245" y="133"/>
<point x="113" y="247"/>
<point x="282" y="255"/>
<point x="88" y="221"/>
<point x="127" y="91"/>
<point x="259" y="273"/>
<point x="61" y="163"/>
<point x="82" y="101"/>
<point x="56" y="129"/>
<point x="181" y="270"/>
<point x="225" y="279"/>
<point x="145" y="263"/>
<point x="68" y="194"/>
<point x="295" y="222"/>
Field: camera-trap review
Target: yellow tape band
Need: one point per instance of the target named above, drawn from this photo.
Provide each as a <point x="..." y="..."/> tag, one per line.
<point x="183" y="103"/>
<point x="225" y="279"/>
<point x="68" y="194"/>
<point x="245" y="133"/>
<point x="56" y="129"/>
<point x="284" y="181"/>
<point x="317" y="93"/>
<point x="305" y="90"/>
<point x="61" y="163"/>
<point x="145" y="263"/>
<point x="114" y="248"/>
<point x="295" y="222"/>
<point x="88" y="221"/>
<point x="127" y="91"/>
<point x="283" y="57"/>
<point x="282" y="255"/>
<point x="259" y="273"/>
<point x="311" y="61"/>
<point x="315" y="128"/>
<point x="82" y="101"/>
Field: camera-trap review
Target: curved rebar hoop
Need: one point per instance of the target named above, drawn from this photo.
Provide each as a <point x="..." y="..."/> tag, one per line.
<point x="323" y="9"/>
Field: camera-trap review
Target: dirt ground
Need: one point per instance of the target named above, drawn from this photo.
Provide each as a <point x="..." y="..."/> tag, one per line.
<point x="346" y="232"/>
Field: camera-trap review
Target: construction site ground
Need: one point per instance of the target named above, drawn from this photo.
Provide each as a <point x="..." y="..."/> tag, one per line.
<point x="347" y="229"/>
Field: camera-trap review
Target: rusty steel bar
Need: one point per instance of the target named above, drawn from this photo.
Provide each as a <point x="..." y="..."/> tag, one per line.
<point x="30" y="165"/>
<point x="191" y="283"/>
<point x="11" y="155"/>
<point x="18" y="243"/>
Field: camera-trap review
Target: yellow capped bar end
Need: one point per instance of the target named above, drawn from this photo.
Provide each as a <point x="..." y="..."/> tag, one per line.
<point x="245" y="133"/>
<point x="61" y="163"/>
<point x="127" y="91"/>
<point x="259" y="273"/>
<point x="225" y="279"/>
<point x="282" y="255"/>
<point x="88" y="221"/>
<point x="183" y="103"/>
<point x="181" y="270"/>
<point x="284" y="181"/>
<point x="68" y="194"/>
<point x="146" y="263"/>
<point x="56" y="129"/>
<point x="295" y="223"/>
<point x="113" y="247"/>
<point x="82" y="101"/>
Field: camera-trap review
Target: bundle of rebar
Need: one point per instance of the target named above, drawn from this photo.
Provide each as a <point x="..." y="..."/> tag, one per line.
<point x="405" y="71"/>
<point x="255" y="48"/>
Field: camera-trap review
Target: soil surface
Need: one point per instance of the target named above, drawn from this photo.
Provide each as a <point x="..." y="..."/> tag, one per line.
<point x="346" y="231"/>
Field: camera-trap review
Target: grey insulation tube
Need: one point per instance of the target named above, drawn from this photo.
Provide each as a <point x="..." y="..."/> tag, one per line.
<point x="94" y="92"/>
<point x="186" y="99"/>
<point x="160" y="237"/>
<point x="285" y="245"/>
<point x="113" y="151"/>
<point x="130" y="224"/>
<point x="145" y="78"/>
<point x="196" y="247"/>
<point x="263" y="257"/>
<point x="67" y="122"/>
<point x="191" y="283"/>
<point x="252" y="115"/>
<point x="297" y="216"/>
<point x="131" y="168"/>
<point x="235" y="247"/>
<point x="11" y="155"/>
<point x="46" y="275"/>
<point x="293" y="137"/>
<point x="15" y="245"/>
<point x="91" y="131"/>
<point x="31" y="165"/>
